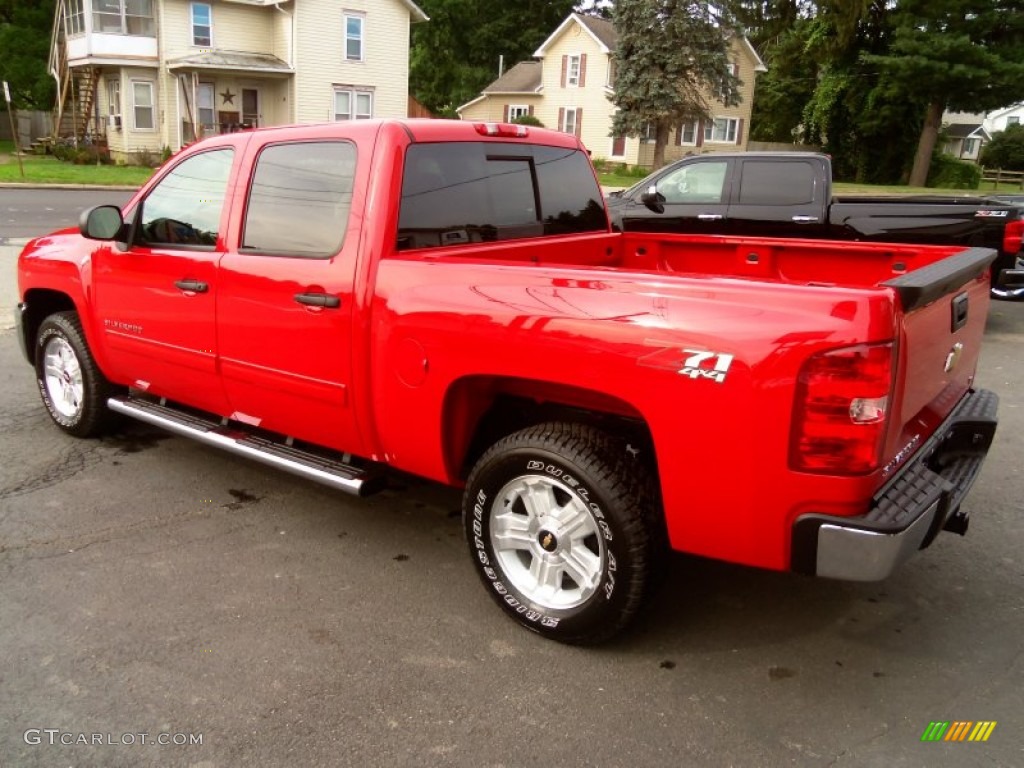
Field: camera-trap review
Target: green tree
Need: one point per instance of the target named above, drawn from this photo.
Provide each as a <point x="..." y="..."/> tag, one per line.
<point x="25" y="46"/>
<point x="964" y="55"/>
<point x="671" y="55"/>
<point x="455" y="54"/>
<point x="1006" y="150"/>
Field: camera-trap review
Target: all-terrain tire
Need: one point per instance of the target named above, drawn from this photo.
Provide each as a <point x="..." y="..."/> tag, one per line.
<point x="73" y="388"/>
<point x="565" y="530"/>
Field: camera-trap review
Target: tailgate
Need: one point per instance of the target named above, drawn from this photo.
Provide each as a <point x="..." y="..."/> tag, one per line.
<point x="944" y="309"/>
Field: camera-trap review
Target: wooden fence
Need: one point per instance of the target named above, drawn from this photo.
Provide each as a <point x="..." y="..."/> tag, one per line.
<point x="996" y="176"/>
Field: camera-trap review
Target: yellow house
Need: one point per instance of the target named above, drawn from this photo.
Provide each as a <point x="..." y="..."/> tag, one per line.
<point x="570" y="85"/>
<point x="142" y="75"/>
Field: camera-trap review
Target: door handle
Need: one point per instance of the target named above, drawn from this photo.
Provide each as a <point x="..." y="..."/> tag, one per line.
<point x="709" y="217"/>
<point x="805" y="219"/>
<point x="325" y="300"/>
<point x="192" y="286"/>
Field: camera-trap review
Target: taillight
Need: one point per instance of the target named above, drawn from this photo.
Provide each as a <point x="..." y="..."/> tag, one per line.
<point x="1013" y="236"/>
<point x="842" y="408"/>
<point x="508" y="130"/>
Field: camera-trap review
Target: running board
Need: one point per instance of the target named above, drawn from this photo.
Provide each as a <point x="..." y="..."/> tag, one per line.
<point x="289" y="458"/>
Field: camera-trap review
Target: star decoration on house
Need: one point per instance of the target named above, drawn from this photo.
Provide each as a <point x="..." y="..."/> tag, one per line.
<point x="228" y="96"/>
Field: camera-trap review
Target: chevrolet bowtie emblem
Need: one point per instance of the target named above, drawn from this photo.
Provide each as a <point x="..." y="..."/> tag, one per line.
<point x="954" y="356"/>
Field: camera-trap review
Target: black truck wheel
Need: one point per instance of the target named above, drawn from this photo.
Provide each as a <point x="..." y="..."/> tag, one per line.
<point x="73" y="389"/>
<point x="563" y="526"/>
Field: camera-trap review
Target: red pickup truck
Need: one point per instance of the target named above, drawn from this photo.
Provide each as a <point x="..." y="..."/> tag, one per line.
<point x="449" y="299"/>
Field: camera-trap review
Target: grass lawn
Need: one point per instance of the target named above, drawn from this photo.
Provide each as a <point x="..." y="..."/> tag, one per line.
<point x="49" y="170"/>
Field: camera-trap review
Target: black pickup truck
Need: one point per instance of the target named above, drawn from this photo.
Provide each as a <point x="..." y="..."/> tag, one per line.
<point x="789" y="194"/>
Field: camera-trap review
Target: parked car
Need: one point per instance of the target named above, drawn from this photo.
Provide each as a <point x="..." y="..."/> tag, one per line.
<point x="448" y="299"/>
<point x="789" y="194"/>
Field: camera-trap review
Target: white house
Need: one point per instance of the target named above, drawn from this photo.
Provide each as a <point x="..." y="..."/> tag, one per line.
<point x="147" y="74"/>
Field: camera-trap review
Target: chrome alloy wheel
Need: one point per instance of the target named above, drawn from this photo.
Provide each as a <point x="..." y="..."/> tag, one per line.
<point x="547" y="541"/>
<point x="63" y="377"/>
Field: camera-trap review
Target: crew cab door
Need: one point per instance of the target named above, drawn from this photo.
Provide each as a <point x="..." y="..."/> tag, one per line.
<point x="156" y="299"/>
<point x="780" y="197"/>
<point x="693" y="199"/>
<point x="284" y="320"/>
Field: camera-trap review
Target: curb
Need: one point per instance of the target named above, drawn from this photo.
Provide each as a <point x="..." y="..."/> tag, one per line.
<point x="29" y="185"/>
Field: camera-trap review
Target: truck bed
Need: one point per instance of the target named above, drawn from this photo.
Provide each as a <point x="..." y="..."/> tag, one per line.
<point x="776" y="260"/>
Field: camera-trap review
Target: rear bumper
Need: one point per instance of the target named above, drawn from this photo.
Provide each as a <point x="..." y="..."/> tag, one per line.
<point x="910" y="509"/>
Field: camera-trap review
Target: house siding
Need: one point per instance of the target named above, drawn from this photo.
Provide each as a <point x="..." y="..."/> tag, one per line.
<point x="320" y="61"/>
<point x="592" y="97"/>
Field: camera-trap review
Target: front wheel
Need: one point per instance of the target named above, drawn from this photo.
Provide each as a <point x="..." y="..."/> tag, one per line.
<point x="73" y="388"/>
<point x="562" y="524"/>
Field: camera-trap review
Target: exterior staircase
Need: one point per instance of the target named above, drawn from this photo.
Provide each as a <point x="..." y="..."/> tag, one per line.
<point x="73" y="116"/>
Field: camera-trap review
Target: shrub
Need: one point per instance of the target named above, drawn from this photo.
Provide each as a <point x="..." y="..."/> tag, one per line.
<point x="528" y="120"/>
<point x="1006" y="150"/>
<point x="949" y="173"/>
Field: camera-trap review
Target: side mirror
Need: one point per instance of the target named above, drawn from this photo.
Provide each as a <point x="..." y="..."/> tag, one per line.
<point x="653" y="199"/>
<point x="102" y="222"/>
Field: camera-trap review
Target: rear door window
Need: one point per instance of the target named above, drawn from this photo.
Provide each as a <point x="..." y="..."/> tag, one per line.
<point x="767" y="182"/>
<point x="300" y="199"/>
<point x="458" y="193"/>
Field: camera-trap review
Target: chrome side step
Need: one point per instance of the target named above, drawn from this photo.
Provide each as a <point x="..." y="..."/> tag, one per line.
<point x="307" y="464"/>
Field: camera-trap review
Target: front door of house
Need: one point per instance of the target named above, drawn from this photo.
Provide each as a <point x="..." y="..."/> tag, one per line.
<point x="251" y="108"/>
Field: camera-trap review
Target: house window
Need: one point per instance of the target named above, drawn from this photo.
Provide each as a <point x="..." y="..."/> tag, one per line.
<point x="734" y="70"/>
<point x="610" y="82"/>
<point x="516" y="111"/>
<point x="354" y="37"/>
<point x="687" y="134"/>
<point x="114" y="103"/>
<point x="204" y="103"/>
<point x="723" y="130"/>
<point x="202" y="25"/>
<point x="124" y="17"/>
<point x="572" y="71"/>
<point x="570" y="122"/>
<point x="970" y="146"/>
<point x="619" y="146"/>
<point x="352" y="104"/>
<point x="649" y="134"/>
<point x="76" y="17"/>
<point x="1015" y="120"/>
<point x="142" y="105"/>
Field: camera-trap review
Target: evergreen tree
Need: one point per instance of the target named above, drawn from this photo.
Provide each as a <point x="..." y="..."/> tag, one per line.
<point x="964" y="55"/>
<point x="672" y="55"/>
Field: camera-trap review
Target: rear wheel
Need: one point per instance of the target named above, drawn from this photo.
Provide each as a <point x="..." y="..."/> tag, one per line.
<point x="73" y="389"/>
<point x="563" y="524"/>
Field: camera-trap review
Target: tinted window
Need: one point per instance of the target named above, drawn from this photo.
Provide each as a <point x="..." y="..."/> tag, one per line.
<point x="184" y="208"/>
<point x="300" y="199"/>
<point x="702" y="182"/>
<point x="783" y="183"/>
<point x="458" y="193"/>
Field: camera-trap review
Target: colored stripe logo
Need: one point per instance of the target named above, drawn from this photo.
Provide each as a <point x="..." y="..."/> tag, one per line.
<point x="959" y="730"/>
